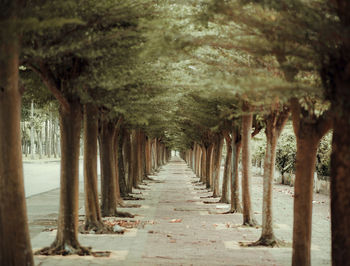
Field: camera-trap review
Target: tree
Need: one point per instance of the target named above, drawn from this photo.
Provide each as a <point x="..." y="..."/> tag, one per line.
<point x="15" y="247"/>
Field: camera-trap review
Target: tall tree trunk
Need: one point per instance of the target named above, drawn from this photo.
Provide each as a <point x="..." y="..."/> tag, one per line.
<point x="274" y="125"/>
<point x="128" y="158"/>
<point x="208" y="166"/>
<point x="15" y="246"/>
<point x="93" y="220"/>
<point x="46" y="137"/>
<point x="121" y="166"/>
<point x="227" y="170"/>
<point x="308" y="130"/>
<point x="40" y="143"/>
<point x="108" y="178"/>
<point x="340" y="180"/>
<point x="203" y="165"/>
<point x="247" y="120"/>
<point x="217" y="165"/>
<point x="66" y="241"/>
<point x="148" y="157"/>
<point x="236" y="149"/>
<point x="339" y="96"/>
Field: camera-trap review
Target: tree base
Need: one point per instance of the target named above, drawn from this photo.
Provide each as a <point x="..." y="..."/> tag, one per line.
<point x="124" y="214"/>
<point x="97" y="228"/>
<point x="251" y="223"/>
<point x="224" y="200"/>
<point x="130" y="206"/>
<point x="265" y="242"/>
<point x="129" y="197"/>
<point x="64" y="249"/>
<point x="233" y="211"/>
<point x="211" y="202"/>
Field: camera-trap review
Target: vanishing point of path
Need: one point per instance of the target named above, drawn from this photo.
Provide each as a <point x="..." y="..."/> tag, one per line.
<point x="175" y="227"/>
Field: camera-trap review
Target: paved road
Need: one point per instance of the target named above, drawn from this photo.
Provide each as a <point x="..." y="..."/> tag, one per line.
<point x="176" y="227"/>
<point x="43" y="175"/>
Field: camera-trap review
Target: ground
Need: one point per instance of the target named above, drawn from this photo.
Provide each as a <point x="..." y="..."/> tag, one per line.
<point x="176" y="227"/>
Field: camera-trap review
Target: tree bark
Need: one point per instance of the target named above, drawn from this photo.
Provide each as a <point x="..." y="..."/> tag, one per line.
<point x="275" y="122"/>
<point x="308" y="130"/>
<point x="121" y="166"/>
<point x="108" y="178"/>
<point x="66" y="241"/>
<point x="128" y="158"/>
<point x="93" y="220"/>
<point x="236" y="149"/>
<point x="208" y="166"/>
<point x="340" y="178"/>
<point x="15" y="246"/>
<point x="247" y="120"/>
<point x="227" y="170"/>
<point x="217" y="165"/>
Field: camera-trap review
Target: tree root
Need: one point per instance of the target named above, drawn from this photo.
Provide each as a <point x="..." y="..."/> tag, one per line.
<point x="210" y="202"/>
<point x="140" y="188"/>
<point x="264" y="241"/>
<point x="230" y="212"/>
<point x="64" y="249"/>
<point x="130" y="206"/>
<point x="148" y="178"/>
<point x="97" y="227"/>
<point x="209" y="197"/>
<point x="124" y="214"/>
<point x="251" y="223"/>
<point x="129" y="197"/>
<point x="224" y="200"/>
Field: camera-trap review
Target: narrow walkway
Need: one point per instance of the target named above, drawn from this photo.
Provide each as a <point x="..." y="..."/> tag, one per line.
<point x="174" y="227"/>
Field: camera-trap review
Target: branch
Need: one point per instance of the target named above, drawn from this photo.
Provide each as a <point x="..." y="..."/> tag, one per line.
<point x="296" y="113"/>
<point x="49" y="80"/>
<point x="325" y="123"/>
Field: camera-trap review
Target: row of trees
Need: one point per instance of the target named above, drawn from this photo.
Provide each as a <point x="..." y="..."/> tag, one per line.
<point x="88" y="58"/>
<point x="263" y="61"/>
<point x="231" y="69"/>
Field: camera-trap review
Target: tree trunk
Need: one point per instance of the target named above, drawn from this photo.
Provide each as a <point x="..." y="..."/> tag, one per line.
<point x="108" y="178"/>
<point x="236" y="149"/>
<point x="15" y="246"/>
<point x="274" y="125"/>
<point x="208" y="166"/>
<point x="227" y="170"/>
<point x="203" y="165"/>
<point x="340" y="158"/>
<point x="93" y="220"/>
<point x="40" y="143"/>
<point x="46" y="137"/>
<point x="128" y="158"/>
<point x="308" y="130"/>
<point x="134" y="159"/>
<point x="121" y="166"/>
<point x="66" y="241"/>
<point x="217" y="165"/>
<point x="247" y="119"/>
<point x="148" y="157"/>
<point x="303" y="193"/>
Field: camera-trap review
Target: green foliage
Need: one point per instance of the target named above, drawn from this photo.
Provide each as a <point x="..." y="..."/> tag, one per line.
<point x="324" y="156"/>
<point x="286" y="151"/>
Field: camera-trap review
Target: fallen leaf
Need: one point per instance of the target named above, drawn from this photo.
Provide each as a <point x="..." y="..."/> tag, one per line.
<point x="176" y="221"/>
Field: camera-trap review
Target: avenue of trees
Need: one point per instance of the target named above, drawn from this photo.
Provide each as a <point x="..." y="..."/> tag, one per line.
<point x="137" y="79"/>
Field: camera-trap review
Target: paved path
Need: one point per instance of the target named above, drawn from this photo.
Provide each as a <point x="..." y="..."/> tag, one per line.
<point x="177" y="228"/>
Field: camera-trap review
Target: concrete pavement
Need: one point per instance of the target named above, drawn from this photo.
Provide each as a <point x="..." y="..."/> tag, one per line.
<point x="176" y="227"/>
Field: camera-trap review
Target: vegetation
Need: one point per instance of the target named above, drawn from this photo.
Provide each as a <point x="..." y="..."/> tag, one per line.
<point x="144" y="77"/>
